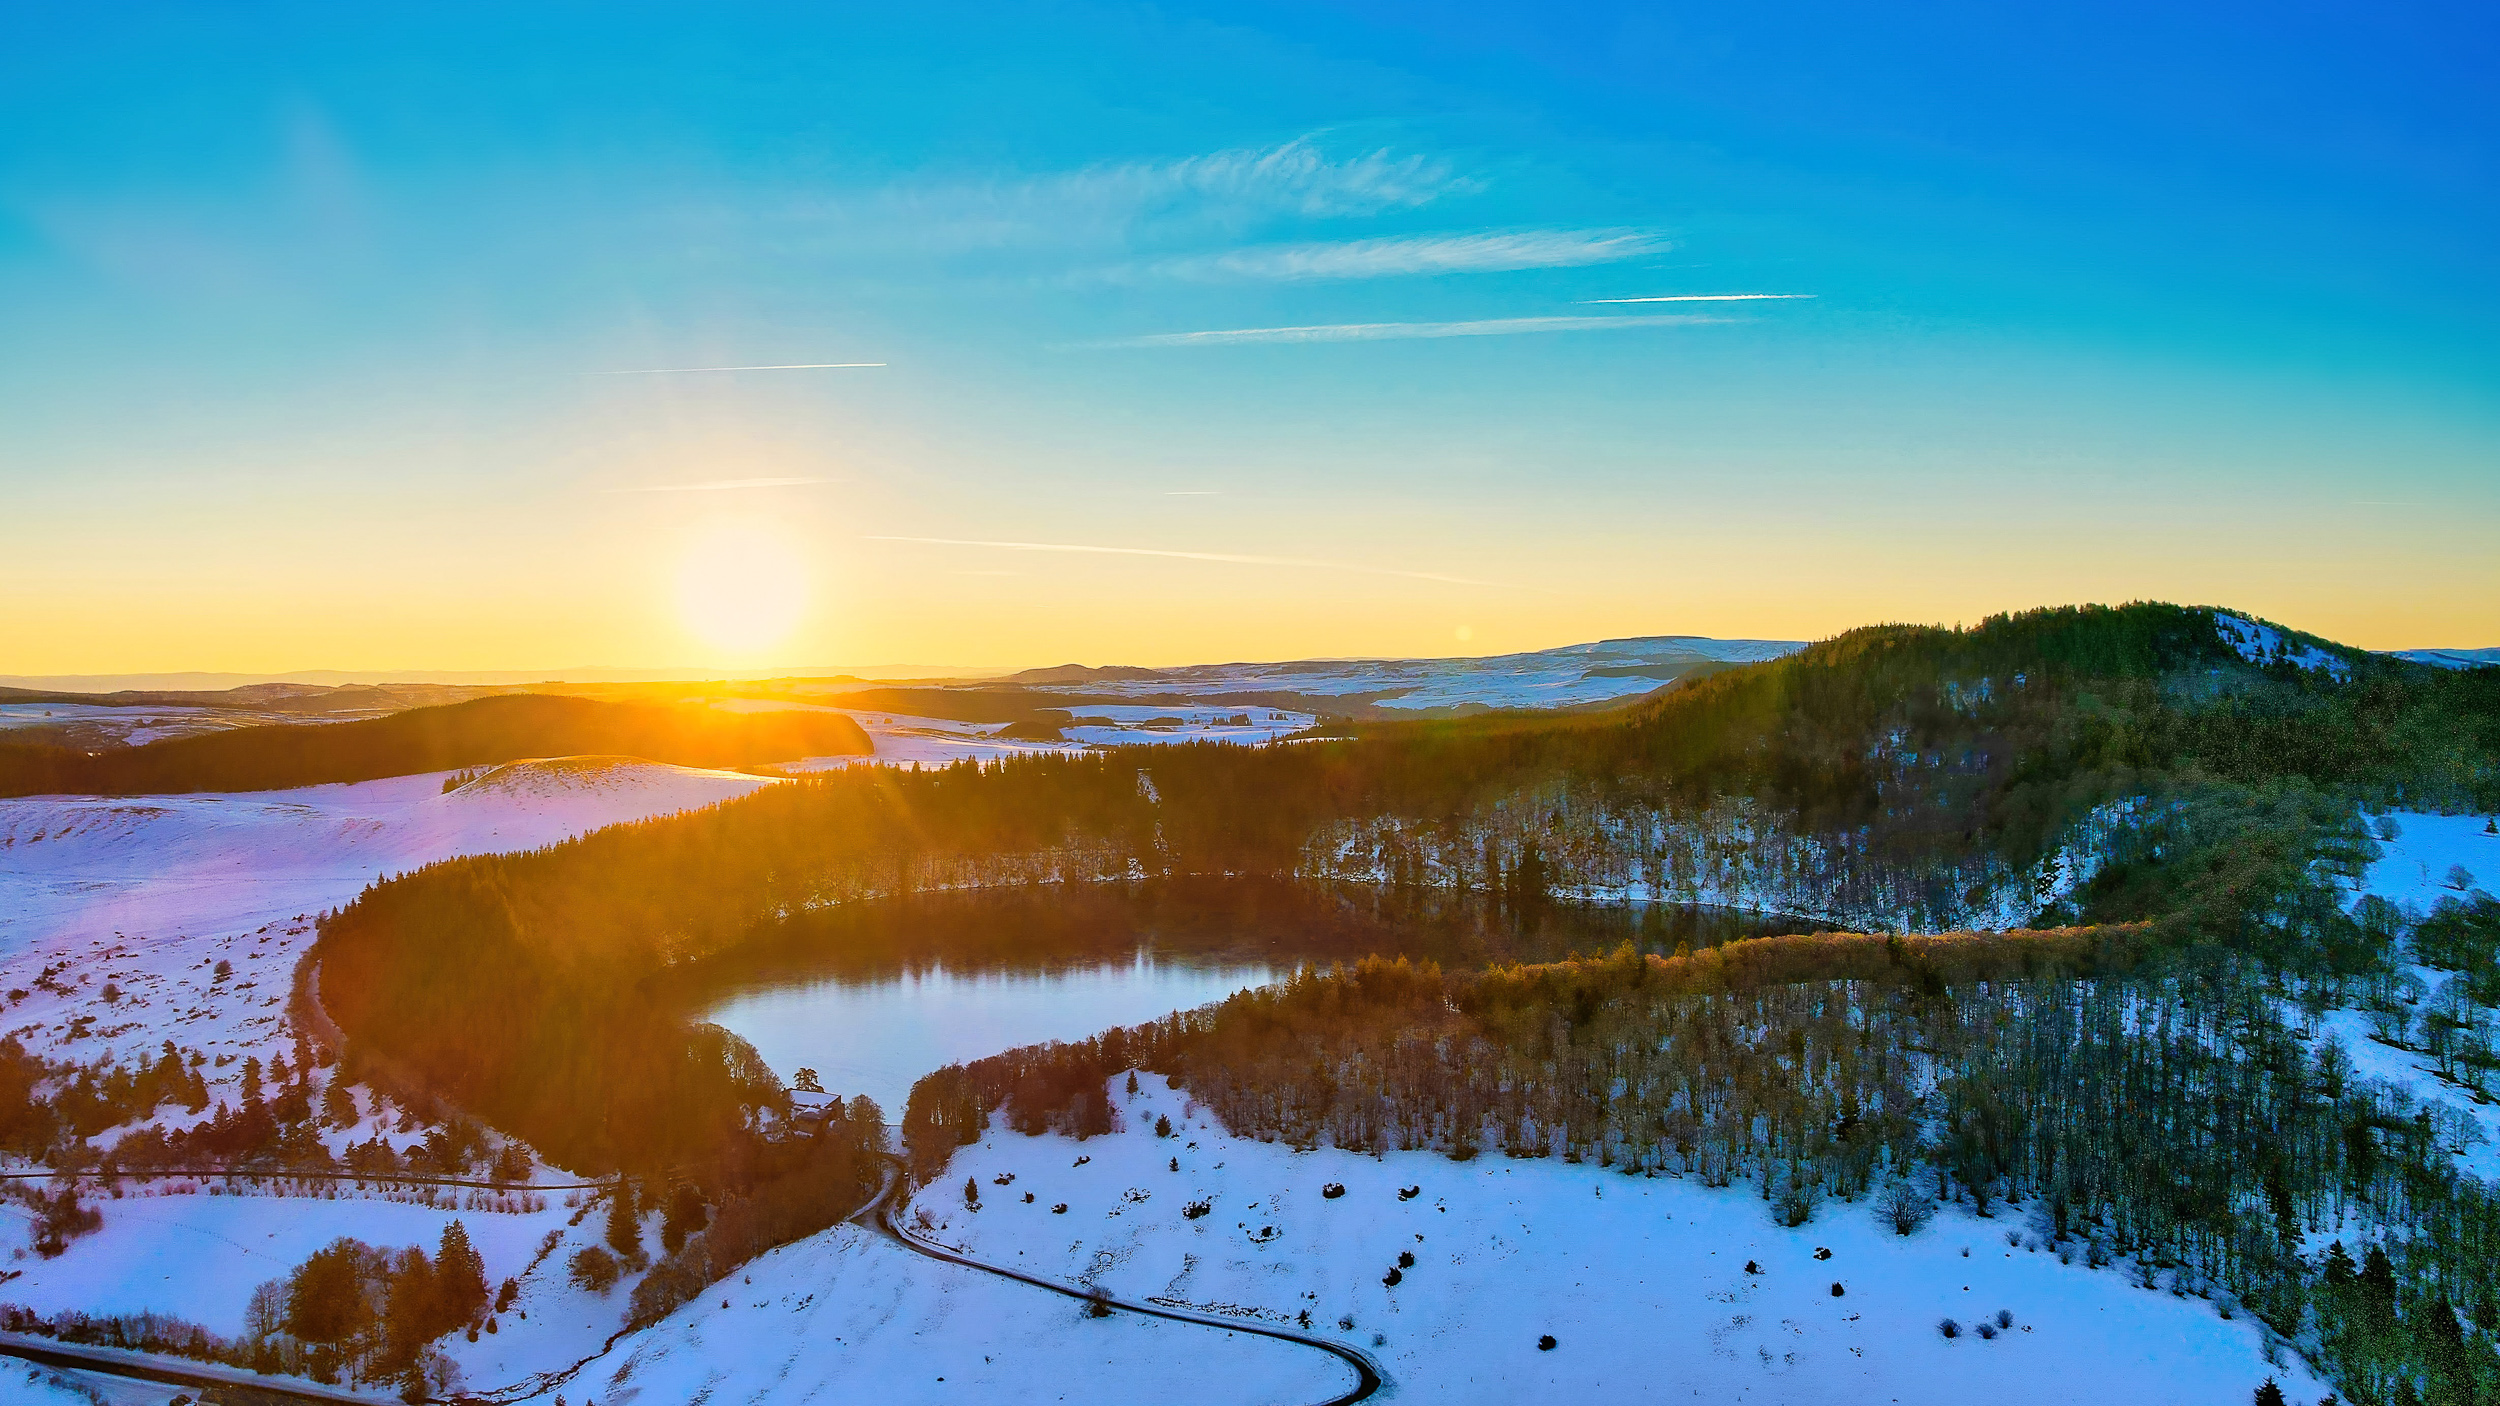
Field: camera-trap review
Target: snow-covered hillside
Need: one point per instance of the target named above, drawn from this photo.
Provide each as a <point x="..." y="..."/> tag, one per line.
<point x="2260" y="643"/>
<point x="1653" y="1289"/>
<point x="846" y="1316"/>
<point x="2420" y="857"/>
<point x="2452" y="658"/>
<point x="126" y="923"/>
<point x="147" y="894"/>
<point x="1549" y="678"/>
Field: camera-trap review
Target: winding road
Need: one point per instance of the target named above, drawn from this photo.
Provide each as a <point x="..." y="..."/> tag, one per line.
<point x="878" y="1217"/>
<point x="217" y="1385"/>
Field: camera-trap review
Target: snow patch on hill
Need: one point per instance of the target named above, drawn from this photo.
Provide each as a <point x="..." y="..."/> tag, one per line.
<point x="2260" y="643"/>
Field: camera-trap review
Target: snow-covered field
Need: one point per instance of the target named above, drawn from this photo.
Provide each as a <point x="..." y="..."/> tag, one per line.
<point x="848" y="1316"/>
<point x="96" y="725"/>
<point x="1118" y="725"/>
<point x="1653" y="1289"/>
<point x="2412" y="868"/>
<point x="901" y="739"/>
<point x="198" y="1255"/>
<point x="148" y="894"/>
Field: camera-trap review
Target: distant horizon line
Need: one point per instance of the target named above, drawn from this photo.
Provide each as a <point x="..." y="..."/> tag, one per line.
<point x="209" y="680"/>
<point x="162" y="680"/>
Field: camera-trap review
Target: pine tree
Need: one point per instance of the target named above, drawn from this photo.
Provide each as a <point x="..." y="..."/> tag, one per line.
<point x="459" y="1275"/>
<point x="624" y="1225"/>
<point x="686" y="1215"/>
<point x="2338" y="1268"/>
<point x="2268" y="1394"/>
<point x="972" y="1192"/>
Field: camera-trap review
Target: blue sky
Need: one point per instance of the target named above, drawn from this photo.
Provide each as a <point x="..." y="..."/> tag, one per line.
<point x="307" y="306"/>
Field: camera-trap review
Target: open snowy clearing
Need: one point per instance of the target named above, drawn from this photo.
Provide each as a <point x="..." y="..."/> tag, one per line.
<point x="846" y="1315"/>
<point x="2412" y="869"/>
<point x="1643" y="1283"/>
<point x="198" y="1255"/>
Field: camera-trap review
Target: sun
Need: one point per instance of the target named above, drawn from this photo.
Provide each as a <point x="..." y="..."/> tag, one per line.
<point x="741" y="589"/>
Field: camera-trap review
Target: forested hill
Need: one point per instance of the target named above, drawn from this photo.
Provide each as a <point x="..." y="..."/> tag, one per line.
<point x="476" y="733"/>
<point x="1920" y="777"/>
<point x="2063" y="766"/>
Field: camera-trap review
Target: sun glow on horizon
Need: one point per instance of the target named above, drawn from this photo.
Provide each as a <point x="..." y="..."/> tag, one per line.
<point x="741" y="589"/>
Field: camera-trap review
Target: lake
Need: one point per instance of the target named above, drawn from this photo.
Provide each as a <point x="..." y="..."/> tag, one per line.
<point x="877" y="1036"/>
<point x="874" y="996"/>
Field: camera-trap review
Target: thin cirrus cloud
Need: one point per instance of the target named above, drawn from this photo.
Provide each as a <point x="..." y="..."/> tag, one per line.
<point x="720" y="485"/>
<point x="703" y="370"/>
<point x="1112" y="204"/>
<point x="1298" y="176"/>
<point x="1704" y="298"/>
<point x="1493" y="252"/>
<point x="1405" y="331"/>
<point x="1230" y="558"/>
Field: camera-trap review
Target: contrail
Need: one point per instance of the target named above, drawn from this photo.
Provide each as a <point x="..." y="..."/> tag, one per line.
<point x="720" y="484"/>
<point x="1401" y="331"/>
<point x="1236" y="558"/>
<point x="1702" y="298"/>
<point x="691" y="370"/>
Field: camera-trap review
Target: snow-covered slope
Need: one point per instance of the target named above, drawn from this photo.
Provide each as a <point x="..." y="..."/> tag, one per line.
<point x="2261" y="643"/>
<point x="1653" y="1289"/>
<point x="2415" y="863"/>
<point x="2419" y="856"/>
<point x="148" y="893"/>
<point x="2451" y="658"/>
<point x="845" y="1316"/>
<point x="1548" y="678"/>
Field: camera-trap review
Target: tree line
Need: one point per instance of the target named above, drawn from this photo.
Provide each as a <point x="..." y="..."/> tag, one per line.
<point x="480" y="732"/>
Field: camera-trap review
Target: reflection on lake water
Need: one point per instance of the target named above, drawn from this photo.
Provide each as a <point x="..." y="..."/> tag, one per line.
<point x="876" y="1036"/>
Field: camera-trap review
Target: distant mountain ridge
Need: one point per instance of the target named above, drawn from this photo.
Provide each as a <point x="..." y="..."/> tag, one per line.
<point x="1569" y="676"/>
<point x="2450" y="658"/>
